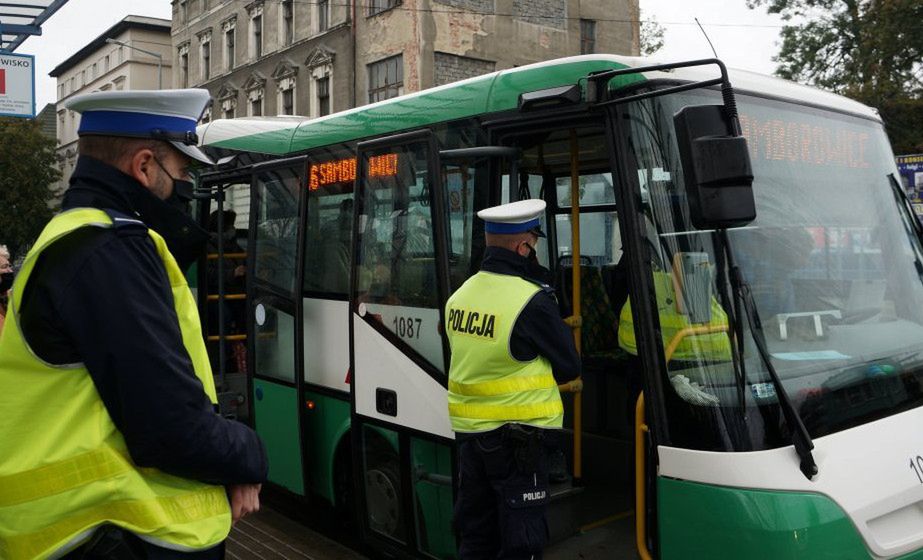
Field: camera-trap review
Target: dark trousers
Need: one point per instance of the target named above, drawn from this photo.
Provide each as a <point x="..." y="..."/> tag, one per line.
<point x="113" y="543"/>
<point x="502" y="492"/>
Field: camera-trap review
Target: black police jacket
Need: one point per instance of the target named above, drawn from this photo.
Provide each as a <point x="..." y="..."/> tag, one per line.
<point x="102" y="297"/>
<point x="539" y="329"/>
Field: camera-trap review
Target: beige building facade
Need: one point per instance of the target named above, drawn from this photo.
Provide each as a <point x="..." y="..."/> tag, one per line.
<point x="286" y="57"/>
<point x="101" y="66"/>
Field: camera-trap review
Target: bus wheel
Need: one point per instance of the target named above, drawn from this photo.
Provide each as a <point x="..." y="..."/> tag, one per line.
<point x="383" y="495"/>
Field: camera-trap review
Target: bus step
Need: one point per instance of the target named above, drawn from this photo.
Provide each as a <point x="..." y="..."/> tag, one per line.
<point x="562" y="490"/>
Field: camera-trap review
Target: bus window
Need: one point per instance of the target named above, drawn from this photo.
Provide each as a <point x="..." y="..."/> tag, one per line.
<point x="328" y="231"/>
<point x="276" y="228"/>
<point x="397" y="282"/>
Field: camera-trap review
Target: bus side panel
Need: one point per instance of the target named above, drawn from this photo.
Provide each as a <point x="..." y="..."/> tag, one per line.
<point x="326" y="420"/>
<point x="706" y="521"/>
<point x="276" y="412"/>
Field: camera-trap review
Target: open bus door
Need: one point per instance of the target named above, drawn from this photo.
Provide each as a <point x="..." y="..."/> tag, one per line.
<point x="220" y="281"/>
<point x="275" y="359"/>
<point x="402" y="442"/>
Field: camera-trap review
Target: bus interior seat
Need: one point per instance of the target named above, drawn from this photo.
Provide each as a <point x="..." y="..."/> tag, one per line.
<point x="604" y="363"/>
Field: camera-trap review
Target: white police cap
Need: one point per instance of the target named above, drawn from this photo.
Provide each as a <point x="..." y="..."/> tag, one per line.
<point x="514" y="217"/>
<point x="169" y="115"/>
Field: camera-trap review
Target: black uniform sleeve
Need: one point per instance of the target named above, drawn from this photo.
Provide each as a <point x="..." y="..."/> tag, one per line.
<point x="539" y="330"/>
<point x="119" y="310"/>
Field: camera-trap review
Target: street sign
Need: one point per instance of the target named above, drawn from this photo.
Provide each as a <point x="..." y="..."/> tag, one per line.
<point x="17" y="85"/>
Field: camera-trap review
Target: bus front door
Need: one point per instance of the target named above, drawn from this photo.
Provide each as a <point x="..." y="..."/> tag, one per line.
<point x="402" y="439"/>
<point x="274" y="358"/>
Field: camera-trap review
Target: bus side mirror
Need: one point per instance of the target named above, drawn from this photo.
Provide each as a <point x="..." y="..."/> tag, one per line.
<point x="716" y="165"/>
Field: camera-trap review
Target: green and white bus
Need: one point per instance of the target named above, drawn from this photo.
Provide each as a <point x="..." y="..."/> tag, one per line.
<point x="760" y="396"/>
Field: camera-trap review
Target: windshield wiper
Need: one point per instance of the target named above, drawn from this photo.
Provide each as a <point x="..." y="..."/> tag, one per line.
<point x="744" y="297"/>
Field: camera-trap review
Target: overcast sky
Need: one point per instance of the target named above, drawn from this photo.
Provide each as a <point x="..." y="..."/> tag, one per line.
<point x="744" y="38"/>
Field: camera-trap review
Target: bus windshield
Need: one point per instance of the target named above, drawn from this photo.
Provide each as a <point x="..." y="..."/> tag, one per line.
<point x="833" y="263"/>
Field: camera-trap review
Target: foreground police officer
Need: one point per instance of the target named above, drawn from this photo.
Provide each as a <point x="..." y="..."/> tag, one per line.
<point x="110" y="446"/>
<point x="510" y="350"/>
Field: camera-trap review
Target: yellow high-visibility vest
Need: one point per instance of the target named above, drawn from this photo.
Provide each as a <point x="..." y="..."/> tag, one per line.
<point x="711" y="347"/>
<point x="488" y="387"/>
<point x="64" y="466"/>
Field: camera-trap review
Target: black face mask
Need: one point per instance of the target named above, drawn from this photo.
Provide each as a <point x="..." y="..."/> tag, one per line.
<point x="6" y="281"/>
<point x="171" y="219"/>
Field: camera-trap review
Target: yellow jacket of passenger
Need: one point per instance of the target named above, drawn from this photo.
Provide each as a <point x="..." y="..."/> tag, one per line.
<point x="64" y="466"/>
<point x="488" y="387"/>
<point x="711" y="347"/>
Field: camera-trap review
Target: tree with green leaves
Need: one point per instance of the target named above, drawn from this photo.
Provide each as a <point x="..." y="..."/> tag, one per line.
<point x="869" y="50"/>
<point x="26" y="170"/>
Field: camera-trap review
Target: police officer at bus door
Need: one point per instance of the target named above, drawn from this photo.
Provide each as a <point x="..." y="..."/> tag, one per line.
<point x="510" y="350"/>
<point x="110" y="444"/>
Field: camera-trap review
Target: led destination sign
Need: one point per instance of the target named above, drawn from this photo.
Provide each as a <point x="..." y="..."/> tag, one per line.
<point x="811" y="142"/>
<point x="341" y="171"/>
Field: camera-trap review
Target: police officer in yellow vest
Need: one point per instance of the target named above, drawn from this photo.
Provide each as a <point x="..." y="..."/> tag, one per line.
<point x="510" y="350"/>
<point x="110" y="446"/>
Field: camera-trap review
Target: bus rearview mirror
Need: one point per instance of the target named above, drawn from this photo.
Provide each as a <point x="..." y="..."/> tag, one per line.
<point x="716" y="165"/>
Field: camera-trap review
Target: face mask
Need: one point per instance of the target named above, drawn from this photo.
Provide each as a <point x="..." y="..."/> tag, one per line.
<point x="6" y="281"/>
<point x="183" y="190"/>
<point x="532" y="256"/>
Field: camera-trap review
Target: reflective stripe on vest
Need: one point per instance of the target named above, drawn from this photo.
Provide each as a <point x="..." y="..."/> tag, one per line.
<point x="712" y="347"/>
<point x="64" y="466"/>
<point x="487" y="386"/>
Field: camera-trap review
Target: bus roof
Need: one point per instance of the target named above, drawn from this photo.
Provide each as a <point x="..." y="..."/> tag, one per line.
<point x="498" y="91"/>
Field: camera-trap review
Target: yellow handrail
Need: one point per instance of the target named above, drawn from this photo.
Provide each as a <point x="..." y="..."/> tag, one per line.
<point x="216" y="338"/>
<point x="690" y="331"/>
<point x="640" y="498"/>
<point x="214" y="256"/>
<point x="216" y="297"/>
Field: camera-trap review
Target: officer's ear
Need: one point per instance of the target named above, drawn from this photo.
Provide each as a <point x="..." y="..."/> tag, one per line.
<point x="143" y="167"/>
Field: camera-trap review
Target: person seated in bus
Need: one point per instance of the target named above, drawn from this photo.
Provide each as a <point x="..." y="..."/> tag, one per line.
<point x="680" y="342"/>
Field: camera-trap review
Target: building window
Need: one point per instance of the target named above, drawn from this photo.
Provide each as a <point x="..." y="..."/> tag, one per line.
<point x="288" y="22"/>
<point x="378" y="6"/>
<point x="106" y="64"/>
<point x="229" y="48"/>
<point x="323" y="96"/>
<point x="587" y="36"/>
<point x="323" y="15"/>
<point x="206" y="59"/>
<point x="183" y="14"/>
<point x="229" y="113"/>
<point x="256" y="107"/>
<point x="256" y="24"/>
<point x="95" y="70"/>
<point x="288" y="101"/>
<point x="386" y="78"/>
<point x="183" y="52"/>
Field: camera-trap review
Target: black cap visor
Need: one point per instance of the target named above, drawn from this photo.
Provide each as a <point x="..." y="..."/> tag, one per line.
<point x="193" y="152"/>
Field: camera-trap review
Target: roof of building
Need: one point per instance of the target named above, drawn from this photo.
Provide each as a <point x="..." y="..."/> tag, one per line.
<point x="23" y="19"/>
<point x="129" y="22"/>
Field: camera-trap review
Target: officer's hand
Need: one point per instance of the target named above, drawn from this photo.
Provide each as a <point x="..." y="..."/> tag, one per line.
<point x="245" y="499"/>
